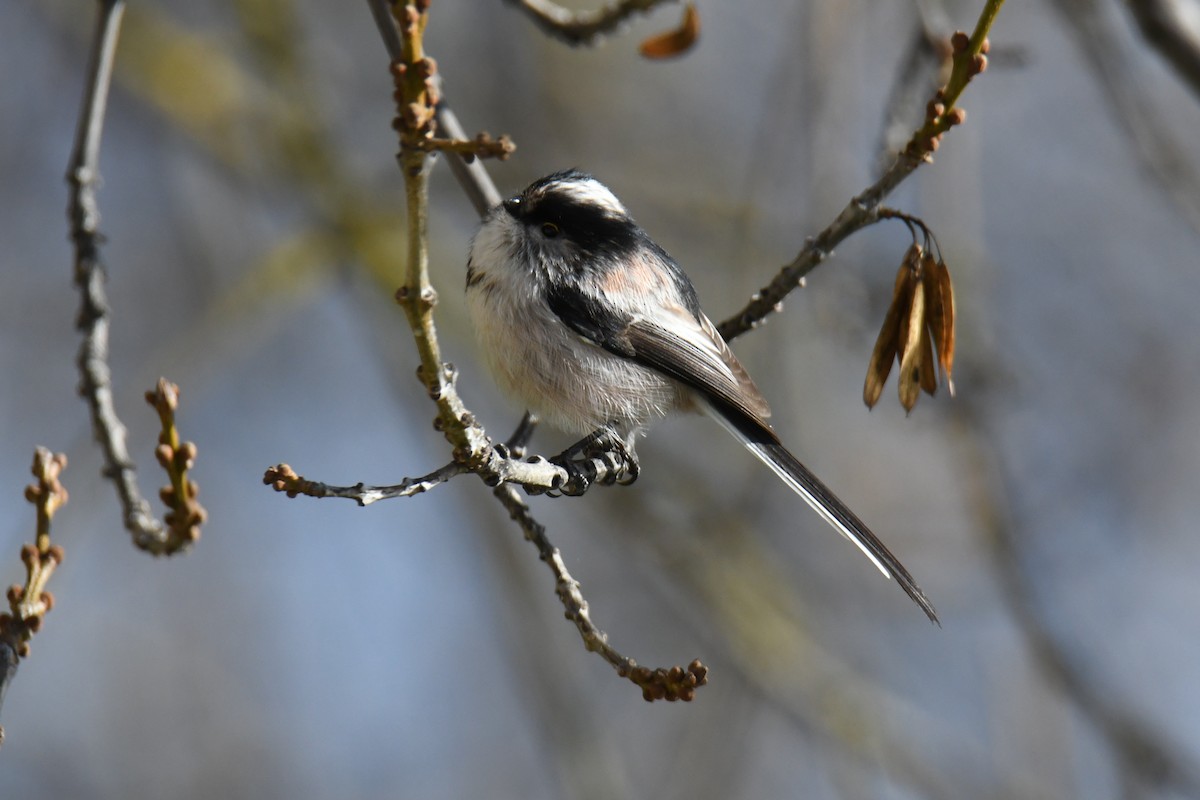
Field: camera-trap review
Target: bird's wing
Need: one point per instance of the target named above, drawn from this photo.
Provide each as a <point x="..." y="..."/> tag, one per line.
<point x="685" y="345"/>
<point x="668" y="338"/>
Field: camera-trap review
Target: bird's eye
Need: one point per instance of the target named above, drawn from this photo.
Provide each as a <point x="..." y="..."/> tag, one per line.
<point x="549" y="230"/>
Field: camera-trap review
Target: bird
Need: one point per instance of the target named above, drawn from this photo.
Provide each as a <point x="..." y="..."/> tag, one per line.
<point x="591" y="325"/>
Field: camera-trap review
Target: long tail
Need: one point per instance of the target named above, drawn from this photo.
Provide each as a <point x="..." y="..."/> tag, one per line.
<point x="763" y="443"/>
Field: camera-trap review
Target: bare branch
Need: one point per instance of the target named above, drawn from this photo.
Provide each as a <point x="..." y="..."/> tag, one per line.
<point x="1142" y="749"/>
<point x="1114" y="67"/>
<point x="282" y="478"/>
<point x="863" y="210"/>
<point x="472" y="177"/>
<point x="29" y="604"/>
<point x="563" y="475"/>
<point x="83" y="174"/>
<point x="675" y="683"/>
<point x="1163" y="26"/>
<point x="583" y="27"/>
<point x="916" y="75"/>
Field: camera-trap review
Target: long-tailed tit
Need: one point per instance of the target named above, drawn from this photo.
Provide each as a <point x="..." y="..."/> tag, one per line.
<point x="591" y="325"/>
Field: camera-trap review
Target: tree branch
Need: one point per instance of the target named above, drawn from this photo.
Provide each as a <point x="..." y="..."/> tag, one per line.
<point x="1142" y="749"/>
<point x="29" y="604"/>
<point x="675" y="683"/>
<point x="969" y="60"/>
<point x="1114" y="67"/>
<point x="83" y="174"/>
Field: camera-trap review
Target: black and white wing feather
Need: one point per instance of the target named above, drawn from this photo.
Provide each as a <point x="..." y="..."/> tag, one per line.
<point x="679" y="341"/>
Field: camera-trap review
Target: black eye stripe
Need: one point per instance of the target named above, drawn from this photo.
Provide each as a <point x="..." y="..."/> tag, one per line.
<point x="593" y="228"/>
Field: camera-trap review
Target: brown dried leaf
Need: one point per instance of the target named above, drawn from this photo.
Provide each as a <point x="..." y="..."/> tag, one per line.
<point x="676" y="42"/>
<point x="911" y="326"/>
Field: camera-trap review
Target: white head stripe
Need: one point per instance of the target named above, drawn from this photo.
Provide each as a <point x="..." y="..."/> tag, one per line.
<point x="592" y="192"/>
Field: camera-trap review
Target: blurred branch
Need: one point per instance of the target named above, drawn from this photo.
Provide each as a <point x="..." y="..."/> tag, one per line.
<point x="1143" y="751"/>
<point x="93" y="320"/>
<point x="29" y="604"/>
<point x="583" y="27"/>
<point x="1163" y="26"/>
<point x="743" y="604"/>
<point x="969" y="59"/>
<point x="1112" y="64"/>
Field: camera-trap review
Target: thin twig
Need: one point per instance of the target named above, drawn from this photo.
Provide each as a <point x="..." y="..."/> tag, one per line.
<point x="676" y="683"/>
<point x="862" y="210"/>
<point x="29" y="604"/>
<point x="93" y="319"/>
<point x="1114" y="66"/>
<point x="472" y="177"/>
<point x="583" y="27"/>
<point x="284" y="479"/>
<point x="916" y="75"/>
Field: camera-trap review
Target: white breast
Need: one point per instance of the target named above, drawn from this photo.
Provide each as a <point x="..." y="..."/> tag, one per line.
<point x="536" y="359"/>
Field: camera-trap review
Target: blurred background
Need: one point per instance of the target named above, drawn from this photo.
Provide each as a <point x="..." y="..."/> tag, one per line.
<point x="415" y="648"/>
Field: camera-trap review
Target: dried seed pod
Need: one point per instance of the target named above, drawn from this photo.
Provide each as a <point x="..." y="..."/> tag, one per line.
<point x="939" y="298"/>
<point x="928" y="367"/>
<point x="918" y="330"/>
<point x="911" y="325"/>
<point x="888" y="342"/>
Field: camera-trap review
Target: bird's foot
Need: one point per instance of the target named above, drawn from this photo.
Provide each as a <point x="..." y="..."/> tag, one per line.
<point x="600" y="457"/>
